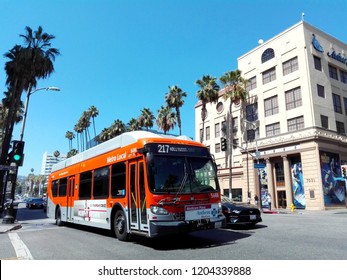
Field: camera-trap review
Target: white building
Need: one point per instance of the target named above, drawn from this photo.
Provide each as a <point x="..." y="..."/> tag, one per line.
<point x="295" y="116"/>
<point x="48" y="160"/>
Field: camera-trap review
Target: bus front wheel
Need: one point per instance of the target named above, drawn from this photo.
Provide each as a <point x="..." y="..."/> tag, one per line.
<point x="120" y="226"/>
<point x="58" y="220"/>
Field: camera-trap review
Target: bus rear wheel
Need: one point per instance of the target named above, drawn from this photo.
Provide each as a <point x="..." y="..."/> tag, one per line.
<point x="120" y="226"/>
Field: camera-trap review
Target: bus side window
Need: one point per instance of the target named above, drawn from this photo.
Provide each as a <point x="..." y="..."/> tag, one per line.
<point x="101" y="182"/>
<point x="55" y="188"/>
<point x="118" y="179"/>
<point x="62" y="187"/>
<point x="85" y="189"/>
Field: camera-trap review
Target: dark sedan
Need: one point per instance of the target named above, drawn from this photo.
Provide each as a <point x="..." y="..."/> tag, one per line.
<point x="34" y="202"/>
<point x="240" y="213"/>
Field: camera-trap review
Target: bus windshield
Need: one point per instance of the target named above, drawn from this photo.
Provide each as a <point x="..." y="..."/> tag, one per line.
<point x="181" y="174"/>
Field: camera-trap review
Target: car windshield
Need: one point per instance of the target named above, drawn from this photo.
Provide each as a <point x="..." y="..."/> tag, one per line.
<point x="178" y="174"/>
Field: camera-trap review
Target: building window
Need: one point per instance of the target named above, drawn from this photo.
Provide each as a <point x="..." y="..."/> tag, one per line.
<point x="320" y="91"/>
<point x="235" y="124"/>
<point x="217" y="130"/>
<point x="343" y="76"/>
<point x="340" y="128"/>
<point x="324" y="121"/>
<point x="267" y="55"/>
<point x="296" y="123"/>
<point x="235" y="143"/>
<point x="345" y="102"/>
<point x="293" y="98"/>
<point x="252" y="84"/>
<point x="337" y="103"/>
<point x="333" y="72"/>
<point x="217" y="148"/>
<point x="220" y="107"/>
<point x="252" y="112"/>
<point x="224" y="127"/>
<point x="252" y="134"/>
<point x="208" y="133"/>
<point x="317" y="63"/>
<point x="279" y="171"/>
<point x="290" y="66"/>
<point x="273" y="129"/>
<point x="271" y="106"/>
<point x="269" y="75"/>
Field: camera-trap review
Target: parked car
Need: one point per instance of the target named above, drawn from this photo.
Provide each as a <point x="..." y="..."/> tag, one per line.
<point x="34" y="202"/>
<point x="240" y="213"/>
<point x="44" y="204"/>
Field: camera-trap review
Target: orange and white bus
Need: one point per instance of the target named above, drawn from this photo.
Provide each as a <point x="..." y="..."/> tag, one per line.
<point x="138" y="183"/>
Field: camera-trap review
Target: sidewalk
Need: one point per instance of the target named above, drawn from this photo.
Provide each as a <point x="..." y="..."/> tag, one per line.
<point x="8" y="227"/>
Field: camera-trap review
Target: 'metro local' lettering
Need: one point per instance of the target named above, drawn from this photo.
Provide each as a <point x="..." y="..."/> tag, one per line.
<point x="116" y="157"/>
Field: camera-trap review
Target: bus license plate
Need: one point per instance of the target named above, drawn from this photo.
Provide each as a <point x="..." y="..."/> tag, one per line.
<point x="253" y="217"/>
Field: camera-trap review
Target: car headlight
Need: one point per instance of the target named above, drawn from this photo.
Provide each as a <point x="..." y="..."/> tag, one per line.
<point x="157" y="210"/>
<point x="236" y="211"/>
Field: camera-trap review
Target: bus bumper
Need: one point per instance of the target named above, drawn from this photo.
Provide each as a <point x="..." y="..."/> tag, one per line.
<point x="159" y="228"/>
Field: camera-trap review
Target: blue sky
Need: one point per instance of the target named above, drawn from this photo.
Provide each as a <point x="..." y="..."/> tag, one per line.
<point x="122" y="55"/>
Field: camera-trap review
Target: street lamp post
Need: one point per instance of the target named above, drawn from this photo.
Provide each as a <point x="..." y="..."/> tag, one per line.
<point x="10" y="217"/>
<point x="26" y="106"/>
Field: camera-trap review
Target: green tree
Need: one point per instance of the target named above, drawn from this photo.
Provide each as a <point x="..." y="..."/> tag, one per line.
<point x="146" y="118"/>
<point x="133" y="125"/>
<point x="106" y="134"/>
<point x="117" y="128"/>
<point x="70" y="136"/>
<point x="166" y="119"/>
<point x="93" y="113"/>
<point x="25" y="65"/>
<point x="174" y="99"/>
<point x="208" y="92"/>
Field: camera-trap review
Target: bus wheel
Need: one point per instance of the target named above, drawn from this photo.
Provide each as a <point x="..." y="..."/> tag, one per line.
<point x="58" y="220"/>
<point x="120" y="226"/>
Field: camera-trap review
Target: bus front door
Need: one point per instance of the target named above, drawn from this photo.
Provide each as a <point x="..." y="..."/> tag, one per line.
<point x="137" y="197"/>
<point x="70" y="195"/>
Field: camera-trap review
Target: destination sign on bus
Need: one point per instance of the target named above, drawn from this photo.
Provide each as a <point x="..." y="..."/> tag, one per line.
<point x="176" y="149"/>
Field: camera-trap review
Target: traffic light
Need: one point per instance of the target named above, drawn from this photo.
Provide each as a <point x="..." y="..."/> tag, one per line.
<point x="17" y="153"/>
<point x="223" y="144"/>
<point x="343" y="171"/>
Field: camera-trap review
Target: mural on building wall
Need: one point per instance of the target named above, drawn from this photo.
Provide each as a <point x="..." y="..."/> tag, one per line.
<point x="263" y="186"/>
<point x="333" y="187"/>
<point x="298" y="185"/>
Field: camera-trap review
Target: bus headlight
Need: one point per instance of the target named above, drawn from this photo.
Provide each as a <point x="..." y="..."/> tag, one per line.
<point x="157" y="210"/>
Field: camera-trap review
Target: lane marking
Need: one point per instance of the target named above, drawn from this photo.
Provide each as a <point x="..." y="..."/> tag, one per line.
<point x="20" y="248"/>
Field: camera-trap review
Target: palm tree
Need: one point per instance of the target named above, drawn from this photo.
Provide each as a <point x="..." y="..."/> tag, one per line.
<point x="56" y="154"/>
<point x="166" y="119"/>
<point x="235" y="90"/>
<point x="174" y="99"/>
<point x="133" y="125"/>
<point x="71" y="153"/>
<point x="70" y="136"/>
<point x="25" y="66"/>
<point x="106" y="134"/>
<point x="79" y="130"/>
<point x="234" y="87"/>
<point x="146" y="118"/>
<point x="117" y="128"/>
<point x="208" y="92"/>
<point x="93" y="113"/>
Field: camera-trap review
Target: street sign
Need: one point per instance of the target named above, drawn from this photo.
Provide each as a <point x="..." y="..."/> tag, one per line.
<point x="259" y="165"/>
<point x="7" y="167"/>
